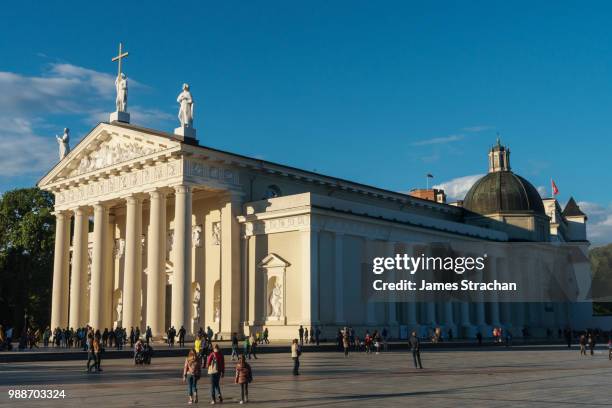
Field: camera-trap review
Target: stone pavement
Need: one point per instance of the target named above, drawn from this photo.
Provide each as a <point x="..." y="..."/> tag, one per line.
<point x="451" y="378"/>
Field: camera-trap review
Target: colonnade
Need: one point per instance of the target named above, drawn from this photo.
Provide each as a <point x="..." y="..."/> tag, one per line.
<point x="69" y="308"/>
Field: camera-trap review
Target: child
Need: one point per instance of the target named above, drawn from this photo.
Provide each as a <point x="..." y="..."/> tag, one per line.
<point x="244" y="375"/>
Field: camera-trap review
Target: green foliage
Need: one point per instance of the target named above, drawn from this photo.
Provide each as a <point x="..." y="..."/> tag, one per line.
<point x="601" y="265"/>
<point x="27" y="229"/>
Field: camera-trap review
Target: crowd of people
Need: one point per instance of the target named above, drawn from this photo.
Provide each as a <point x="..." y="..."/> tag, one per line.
<point x="206" y="355"/>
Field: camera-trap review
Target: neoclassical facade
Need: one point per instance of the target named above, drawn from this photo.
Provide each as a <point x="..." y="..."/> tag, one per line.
<point x="154" y="229"/>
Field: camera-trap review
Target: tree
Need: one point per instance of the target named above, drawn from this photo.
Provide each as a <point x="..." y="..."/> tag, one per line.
<point x="601" y="265"/>
<point x="27" y="229"/>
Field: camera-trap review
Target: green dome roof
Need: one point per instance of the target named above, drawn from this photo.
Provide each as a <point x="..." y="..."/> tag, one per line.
<point x="503" y="191"/>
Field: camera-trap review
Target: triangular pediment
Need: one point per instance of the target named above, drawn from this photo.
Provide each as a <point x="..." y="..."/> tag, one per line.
<point x="273" y="261"/>
<point x="105" y="147"/>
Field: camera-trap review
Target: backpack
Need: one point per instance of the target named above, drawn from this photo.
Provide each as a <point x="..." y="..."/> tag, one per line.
<point x="212" y="367"/>
<point x="194" y="368"/>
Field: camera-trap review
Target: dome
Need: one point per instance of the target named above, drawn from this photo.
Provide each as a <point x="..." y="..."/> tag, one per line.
<point x="503" y="191"/>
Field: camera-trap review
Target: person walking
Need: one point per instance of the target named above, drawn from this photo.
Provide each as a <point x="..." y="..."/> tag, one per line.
<point x="181" y="336"/>
<point x="582" y="343"/>
<point x="97" y="348"/>
<point x="254" y="347"/>
<point x="148" y="335"/>
<point x="295" y="355"/>
<point x="415" y="346"/>
<point x="247" y="346"/>
<point x="266" y="334"/>
<point x="317" y="335"/>
<point x="592" y="343"/>
<point x="46" y="337"/>
<point x="301" y="333"/>
<point x="244" y="376"/>
<point x="191" y="375"/>
<point x="345" y="343"/>
<point x="216" y="369"/>
<point x="234" y="345"/>
<point x="198" y="346"/>
<point x="91" y="357"/>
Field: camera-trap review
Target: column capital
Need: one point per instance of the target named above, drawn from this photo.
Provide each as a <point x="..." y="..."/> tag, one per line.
<point x="182" y="189"/>
<point x="81" y="210"/>
<point x="156" y="194"/>
<point x="100" y="205"/>
<point x="133" y="199"/>
<point x="62" y="213"/>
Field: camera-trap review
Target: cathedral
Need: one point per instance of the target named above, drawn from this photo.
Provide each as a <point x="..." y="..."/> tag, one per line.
<point x="156" y="229"/>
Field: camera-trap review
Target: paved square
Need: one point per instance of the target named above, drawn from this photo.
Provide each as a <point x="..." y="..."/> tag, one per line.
<point x="451" y="378"/>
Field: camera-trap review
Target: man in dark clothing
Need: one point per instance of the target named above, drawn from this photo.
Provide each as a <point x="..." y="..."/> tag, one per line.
<point x="301" y="333"/>
<point x="479" y="338"/>
<point x="317" y="335"/>
<point x="415" y="346"/>
<point x="148" y="335"/>
<point x="181" y="334"/>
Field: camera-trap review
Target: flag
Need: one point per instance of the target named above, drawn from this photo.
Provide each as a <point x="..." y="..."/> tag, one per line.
<point x="555" y="190"/>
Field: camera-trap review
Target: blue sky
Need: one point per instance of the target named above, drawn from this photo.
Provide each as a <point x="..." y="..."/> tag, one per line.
<point x="378" y="92"/>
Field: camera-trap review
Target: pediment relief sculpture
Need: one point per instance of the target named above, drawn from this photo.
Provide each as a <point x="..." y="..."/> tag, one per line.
<point x="108" y="155"/>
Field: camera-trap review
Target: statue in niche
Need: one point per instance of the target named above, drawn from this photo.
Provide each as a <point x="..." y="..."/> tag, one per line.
<point x="119" y="248"/>
<point x="276" y="300"/>
<point x="217" y="305"/>
<point x="119" y="306"/>
<point x="196" y="303"/>
<point x="169" y="243"/>
<point x="216" y="233"/>
<point x="196" y="236"/>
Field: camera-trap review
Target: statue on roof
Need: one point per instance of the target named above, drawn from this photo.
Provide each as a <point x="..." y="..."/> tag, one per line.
<point x="185" y="101"/>
<point x="64" y="143"/>
<point x="121" y="85"/>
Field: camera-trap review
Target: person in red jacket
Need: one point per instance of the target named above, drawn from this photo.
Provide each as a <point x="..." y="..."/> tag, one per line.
<point x="215" y="365"/>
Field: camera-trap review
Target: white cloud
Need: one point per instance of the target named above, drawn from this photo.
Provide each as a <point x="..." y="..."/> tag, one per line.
<point x="22" y="151"/>
<point x="599" y="225"/>
<point x="438" y="140"/>
<point x="28" y="104"/>
<point x="457" y="188"/>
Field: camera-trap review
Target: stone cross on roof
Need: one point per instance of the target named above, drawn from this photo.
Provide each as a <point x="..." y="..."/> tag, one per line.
<point x="119" y="57"/>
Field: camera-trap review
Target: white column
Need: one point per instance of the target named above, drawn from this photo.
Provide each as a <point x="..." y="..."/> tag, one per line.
<point x="230" y="266"/>
<point x="505" y="306"/>
<point x="109" y="273"/>
<point x="431" y="313"/>
<point x="78" y="280"/>
<point x="252" y="279"/>
<point x="339" y="275"/>
<point x="132" y="278"/>
<point x="480" y="310"/>
<point x="182" y="260"/>
<point x="59" y="300"/>
<point x="98" y="263"/>
<point x="310" y="277"/>
<point x="156" y="256"/>
<point x="494" y="302"/>
<point x="466" y="325"/>
<point x="391" y="297"/>
<point x="449" y="321"/>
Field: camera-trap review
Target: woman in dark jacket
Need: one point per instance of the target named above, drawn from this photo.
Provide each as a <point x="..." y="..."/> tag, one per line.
<point x="244" y="375"/>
